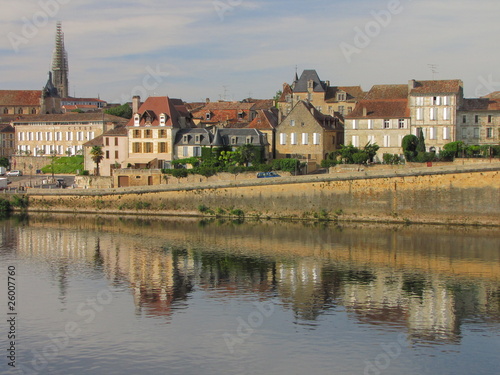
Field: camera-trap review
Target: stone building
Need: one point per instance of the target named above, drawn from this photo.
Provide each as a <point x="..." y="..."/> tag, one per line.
<point x="152" y="131"/>
<point x="60" y="134"/>
<point x="479" y="121"/>
<point x="308" y="134"/>
<point x="384" y="122"/>
<point x="114" y="143"/>
<point x="433" y="110"/>
<point x="7" y="140"/>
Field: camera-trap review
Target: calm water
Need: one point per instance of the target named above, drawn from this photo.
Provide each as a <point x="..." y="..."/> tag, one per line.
<point x="130" y="296"/>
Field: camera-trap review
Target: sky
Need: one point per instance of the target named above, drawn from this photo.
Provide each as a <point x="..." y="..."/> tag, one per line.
<point x="234" y="49"/>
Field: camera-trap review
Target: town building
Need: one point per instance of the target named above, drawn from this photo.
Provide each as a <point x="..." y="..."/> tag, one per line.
<point x="433" y="110"/>
<point x="479" y="121"/>
<point x="114" y="144"/>
<point x="266" y="122"/>
<point x="60" y="134"/>
<point x="7" y="140"/>
<point x="188" y="142"/>
<point x="152" y="131"/>
<point x="308" y="134"/>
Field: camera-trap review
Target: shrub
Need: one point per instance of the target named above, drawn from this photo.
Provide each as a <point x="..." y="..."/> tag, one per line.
<point x="287" y="165"/>
<point x="202" y="208"/>
<point x="179" y="173"/>
<point x="327" y="163"/>
<point x="237" y="212"/>
<point x="5" y="205"/>
<point x="19" y="201"/>
<point x="391" y="159"/>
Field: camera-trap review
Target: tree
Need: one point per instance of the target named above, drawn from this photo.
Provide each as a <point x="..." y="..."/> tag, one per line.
<point x="421" y="141"/>
<point x="371" y="150"/>
<point x="409" y="144"/>
<point x="121" y="111"/>
<point x="4" y="162"/>
<point x="97" y="155"/>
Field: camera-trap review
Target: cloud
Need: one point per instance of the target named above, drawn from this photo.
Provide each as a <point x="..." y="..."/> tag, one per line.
<point x="254" y="47"/>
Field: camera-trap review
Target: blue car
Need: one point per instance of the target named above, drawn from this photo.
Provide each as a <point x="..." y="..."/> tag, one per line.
<point x="267" y="174"/>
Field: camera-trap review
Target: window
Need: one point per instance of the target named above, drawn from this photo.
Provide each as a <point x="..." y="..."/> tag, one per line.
<point x="349" y="110"/>
<point x="5" y="111"/>
<point x="490" y="118"/>
<point x="305" y="138"/>
<point x="20" y="111"/>
<point x="341" y="97"/>
<point x="30" y="136"/>
<point x="162" y="147"/>
<point x="387" y="141"/>
<point x="419" y="100"/>
<point x="107" y="154"/>
<point x="249" y="140"/>
<point x="387" y="124"/>
<point x="316" y="137"/>
<point x="240" y="115"/>
<point x="432" y="133"/>
<point x="48" y="136"/>
<point x="420" y="113"/>
<point x="208" y="116"/>
<point x="370" y="124"/>
<point x="476" y="119"/>
<point x="293" y="138"/>
<point x="282" y="139"/>
<point x="116" y="141"/>
<point x="446" y="113"/>
<point x="21" y="136"/>
<point x="197" y="138"/>
<point x="371" y="139"/>
<point x="148" y="133"/>
<point x="234" y="140"/>
<point x="446" y="100"/>
<point x="69" y="136"/>
<point x="148" y="147"/>
<point x="476" y="132"/>
<point x="401" y="123"/>
<point x="341" y="109"/>
<point x="137" y="133"/>
<point x="162" y="120"/>
<point x="292" y="122"/>
<point x="185" y="151"/>
<point x="107" y="141"/>
<point x="137" y="119"/>
<point x="433" y="113"/>
<point x="436" y="100"/>
<point x="355" y="141"/>
<point x="489" y="132"/>
<point x="446" y="133"/>
<point x="197" y="151"/>
<point x="355" y="124"/>
<point x="464" y="133"/>
<point x="162" y="133"/>
<point x="137" y="147"/>
<point x="464" y="119"/>
<point x="116" y="154"/>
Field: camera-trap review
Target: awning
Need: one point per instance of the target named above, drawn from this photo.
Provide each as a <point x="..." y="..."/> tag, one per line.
<point x="139" y="160"/>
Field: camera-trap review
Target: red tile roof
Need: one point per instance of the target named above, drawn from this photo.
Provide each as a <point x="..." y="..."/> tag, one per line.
<point x="156" y="105"/>
<point x="383" y="92"/>
<point x="71" y="117"/>
<point x="20" y="97"/>
<point x="493" y="95"/>
<point x="265" y="120"/>
<point x="376" y="109"/>
<point x="453" y="86"/>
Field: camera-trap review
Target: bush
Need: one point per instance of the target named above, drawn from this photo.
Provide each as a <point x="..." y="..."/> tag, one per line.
<point x="19" y="201"/>
<point x="194" y="161"/>
<point x="446" y="155"/>
<point x="327" y="163"/>
<point x="179" y="173"/>
<point x="360" y="157"/>
<point x="287" y="165"/>
<point x="392" y="159"/>
<point x="424" y="157"/>
<point x="5" y="205"/>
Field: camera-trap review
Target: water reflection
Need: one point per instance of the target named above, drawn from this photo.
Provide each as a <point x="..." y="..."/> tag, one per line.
<point x="425" y="280"/>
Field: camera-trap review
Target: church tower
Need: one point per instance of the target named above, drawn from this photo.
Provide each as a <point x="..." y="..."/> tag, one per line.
<point x="60" y="64"/>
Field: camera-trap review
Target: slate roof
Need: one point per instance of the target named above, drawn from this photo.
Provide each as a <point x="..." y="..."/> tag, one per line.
<point x="382" y="92"/>
<point x="377" y="109"/>
<point x="205" y="137"/>
<point x="222" y="137"/>
<point x="118" y="131"/>
<point x="20" y="97"/>
<point x="302" y="84"/>
<point x="481" y="104"/>
<point x="453" y="86"/>
<point x="6" y="128"/>
<point x="154" y="106"/>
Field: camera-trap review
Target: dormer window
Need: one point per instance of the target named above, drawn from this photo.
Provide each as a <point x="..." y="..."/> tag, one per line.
<point x="163" y="119"/>
<point x="240" y="115"/>
<point x="341" y="97"/>
<point x="249" y="140"/>
<point x="185" y="138"/>
<point x="208" y="116"/>
<point x="234" y="140"/>
<point x="197" y="139"/>
<point x="310" y="84"/>
<point x="137" y="119"/>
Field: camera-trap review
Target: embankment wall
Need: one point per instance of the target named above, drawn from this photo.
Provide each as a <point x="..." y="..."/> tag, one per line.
<point x="456" y="197"/>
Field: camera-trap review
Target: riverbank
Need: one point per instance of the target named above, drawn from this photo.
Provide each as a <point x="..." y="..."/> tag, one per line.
<point x="463" y="195"/>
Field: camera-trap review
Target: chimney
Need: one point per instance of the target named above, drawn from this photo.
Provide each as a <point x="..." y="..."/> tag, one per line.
<point x="327" y="83"/>
<point x="365" y="112"/>
<point x="207" y="100"/>
<point x="411" y="84"/>
<point x="136" y="102"/>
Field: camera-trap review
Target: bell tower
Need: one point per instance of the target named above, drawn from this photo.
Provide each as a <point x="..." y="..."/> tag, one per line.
<point x="60" y="64"/>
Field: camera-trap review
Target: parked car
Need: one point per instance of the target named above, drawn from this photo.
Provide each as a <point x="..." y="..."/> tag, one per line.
<point x="14" y="173"/>
<point x="267" y="174"/>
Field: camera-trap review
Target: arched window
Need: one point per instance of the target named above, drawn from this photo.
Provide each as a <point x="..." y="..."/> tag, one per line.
<point x="20" y="111"/>
<point x="33" y="111"/>
<point x="5" y="111"/>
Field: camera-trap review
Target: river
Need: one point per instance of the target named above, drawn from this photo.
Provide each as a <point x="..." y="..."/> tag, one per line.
<point x="138" y="295"/>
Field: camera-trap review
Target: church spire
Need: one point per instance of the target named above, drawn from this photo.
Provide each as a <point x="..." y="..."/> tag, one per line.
<point x="60" y="64"/>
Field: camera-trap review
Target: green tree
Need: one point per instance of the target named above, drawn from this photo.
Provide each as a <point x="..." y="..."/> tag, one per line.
<point x="421" y="141"/>
<point x="96" y="154"/>
<point x="4" y="162"/>
<point x="122" y="111"/>
<point x="409" y="144"/>
<point x="371" y="150"/>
